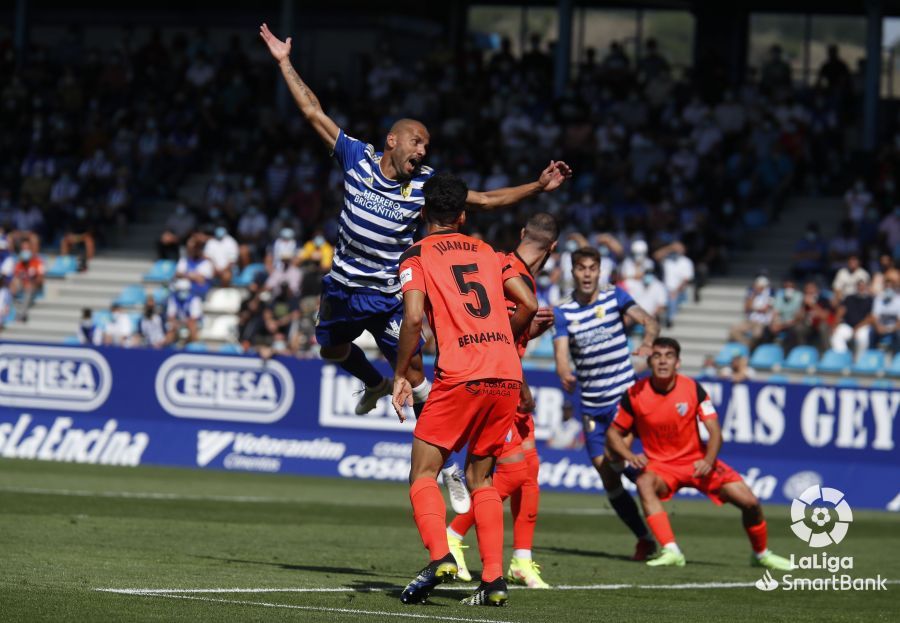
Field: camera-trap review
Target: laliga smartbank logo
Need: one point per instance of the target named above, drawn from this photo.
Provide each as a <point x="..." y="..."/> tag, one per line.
<point x="236" y="389"/>
<point x="53" y="377"/>
<point x="820" y="516"/>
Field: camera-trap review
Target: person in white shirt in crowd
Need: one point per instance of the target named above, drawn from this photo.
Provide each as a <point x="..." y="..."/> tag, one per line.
<point x="611" y="253"/>
<point x="7" y="258"/>
<point x="89" y="332"/>
<point x="184" y="313"/>
<point x="568" y="434"/>
<point x="853" y="321"/>
<point x="251" y="234"/>
<point x="151" y="328"/>
<point x="857" y="199"/>
<point x="849" y="277"/>
<point x="648" y="292"/>
<point x="285" y="245"/>
<point x="638" y="260"/>
<point x="284" y="220"/>
<point x="678" y="274"/>
<point x="885" y="318"/>
<point x="195" y="268"/>
<point x="285" y="271"/>
<point x="222" y="251"/>
<point x="758" y="311"/>
<point x="119" y="331"/>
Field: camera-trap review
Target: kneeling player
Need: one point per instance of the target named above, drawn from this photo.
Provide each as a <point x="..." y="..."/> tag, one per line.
<point x="662" y="410"/>
<point x="459" y="283"/>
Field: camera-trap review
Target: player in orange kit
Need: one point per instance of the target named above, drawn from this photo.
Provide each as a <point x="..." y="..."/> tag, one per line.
<point x="662" y="411"/>
<point x="517" y="470"/>
<point x="461" y="286"/>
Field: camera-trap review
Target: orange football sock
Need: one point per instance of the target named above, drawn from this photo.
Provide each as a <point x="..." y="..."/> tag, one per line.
<point x="759" y="536"/>
<point x="488" y="511"/>
<point x="661" y="528"/>
<point x="430" y="515"/>
<point x="508" y="477"/>
<point x="524" y="504"/>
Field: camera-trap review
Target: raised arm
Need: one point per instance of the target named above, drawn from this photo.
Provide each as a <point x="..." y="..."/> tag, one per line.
<point x="651" y="329"/>
<point x="306" y="100"/>
<point x="550" y="179"/>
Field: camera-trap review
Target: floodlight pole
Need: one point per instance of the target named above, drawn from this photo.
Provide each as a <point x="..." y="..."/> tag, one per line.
<point x="872" y="90"/>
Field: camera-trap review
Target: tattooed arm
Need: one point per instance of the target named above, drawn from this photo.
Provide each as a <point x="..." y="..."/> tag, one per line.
<point x="306" y="100"/>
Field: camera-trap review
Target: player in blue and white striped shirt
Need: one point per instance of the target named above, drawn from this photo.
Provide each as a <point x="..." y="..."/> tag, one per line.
<point x="591" y="330"/>
<point x="382" y="202"/>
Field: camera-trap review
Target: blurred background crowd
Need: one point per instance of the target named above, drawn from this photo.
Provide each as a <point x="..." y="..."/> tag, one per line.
<point x="674" y="171"/>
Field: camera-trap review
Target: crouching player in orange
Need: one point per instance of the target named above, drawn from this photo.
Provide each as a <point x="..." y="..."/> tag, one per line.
<point x="460" y="284"/>
<point x="662" y="411"/>
<point x="517" y="470"/>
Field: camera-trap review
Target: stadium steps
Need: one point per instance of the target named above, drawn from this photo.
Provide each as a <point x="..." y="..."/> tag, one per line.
<point x="702" y="327"/>
<point x="56" y="316"/>
<point x="776" y="241"/>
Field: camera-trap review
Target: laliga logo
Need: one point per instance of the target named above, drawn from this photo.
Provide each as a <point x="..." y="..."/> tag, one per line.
<point x="235" y="389"/>
<point x="829" y="517"/>
<point x="51" y="377"/>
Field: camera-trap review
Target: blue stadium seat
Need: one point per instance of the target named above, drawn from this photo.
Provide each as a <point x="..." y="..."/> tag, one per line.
<point x="835" y="363"/>
<point x="231" y="349"/>
<point x="812" y="380"/>
<point x="246" y="277"/>
<point x="730" y="351"/>
<point x="848" y="381"/>
<point x="883" y="384"/>
<point x="71" y="340"/>
<point x="162" y="272"/>
<point x="870" y="362"/>
<point x="802" y="359"/>
<point x="102" y="317"/>
<point x="161" y="295"/>
<point x="62" y="266"/>
<point x="781" y="379"/>
<point x="132" y="296"/>
<point x="196" y="347"/>
<point x="767" y="357"/>
<point x="894" y="370"/>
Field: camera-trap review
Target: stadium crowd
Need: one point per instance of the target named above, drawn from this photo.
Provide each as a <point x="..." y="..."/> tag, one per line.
<point x="673" y="169"/>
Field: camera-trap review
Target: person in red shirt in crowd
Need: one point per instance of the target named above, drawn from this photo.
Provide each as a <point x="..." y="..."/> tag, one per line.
<point x="28" y="279"/>
<point x="516" y="476"/>
<point x="461" y="285"/>
<point x="663" y="410"/>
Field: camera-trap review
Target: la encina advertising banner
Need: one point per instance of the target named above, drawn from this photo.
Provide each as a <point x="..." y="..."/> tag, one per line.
<point x="134" y="407"/>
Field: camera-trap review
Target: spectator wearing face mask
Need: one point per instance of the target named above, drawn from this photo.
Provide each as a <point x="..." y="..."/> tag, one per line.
<point x="151" y="328"/>
<point x="119" y="331"/>
<point x="28" y="279"/>
<point x="678" y="274"/>
<point x="853" y="321"/>
<point x="251" y="234"/>
<point x="648" y="292"/>
<point x="177" y="228"/>
<point x="785" y="307"/>
<point x="857" y="199"/>
<point x="317" y="250"/>
<point x="285" y="272"/>
<point x="638" y="261"/>
<point x="222" y="251"/>
<point x="885" y="317"/>
<point x="285" y="245"/>
<point x="184" y="313"/>
<point x="88" y="331"/>
<point x="757" y="312"/>
<point x="195" y="268"/>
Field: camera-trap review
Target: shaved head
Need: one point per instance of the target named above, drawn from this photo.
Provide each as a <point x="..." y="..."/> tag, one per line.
<point x="408" y="125"/>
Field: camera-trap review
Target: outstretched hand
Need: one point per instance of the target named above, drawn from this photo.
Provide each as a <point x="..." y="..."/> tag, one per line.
<point x="280" y="49"/>
<point x="554" y="175"/>
<point x="402" y="396"/>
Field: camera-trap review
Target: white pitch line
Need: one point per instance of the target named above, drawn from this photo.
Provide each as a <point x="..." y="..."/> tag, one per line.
<point x="246" y="499"/>
<point x="456" y="586"/>
<point x="265" y="604"/>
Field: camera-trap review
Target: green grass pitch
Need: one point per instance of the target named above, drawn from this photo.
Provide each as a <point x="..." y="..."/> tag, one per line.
<point x="68" y="530"/>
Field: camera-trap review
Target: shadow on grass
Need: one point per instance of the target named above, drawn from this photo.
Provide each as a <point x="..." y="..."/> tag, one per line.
<point x="598" y="554"/>
<point x="295" y="567"/>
